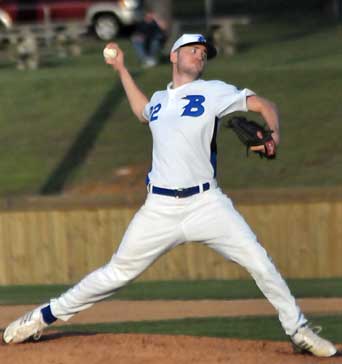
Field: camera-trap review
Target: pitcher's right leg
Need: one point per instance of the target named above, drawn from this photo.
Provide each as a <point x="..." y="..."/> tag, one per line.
<point x="150" y="234"/>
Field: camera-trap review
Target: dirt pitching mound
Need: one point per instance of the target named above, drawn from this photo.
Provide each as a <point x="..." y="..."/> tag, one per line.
<point x="78" y="348"/>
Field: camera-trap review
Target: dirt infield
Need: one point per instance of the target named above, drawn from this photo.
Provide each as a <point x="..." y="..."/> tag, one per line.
<point x="119" y="311"/>
<point x="77" y="348"/>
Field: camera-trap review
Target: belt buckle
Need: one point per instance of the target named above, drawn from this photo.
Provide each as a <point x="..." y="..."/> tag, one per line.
<point x="178" y="192"/>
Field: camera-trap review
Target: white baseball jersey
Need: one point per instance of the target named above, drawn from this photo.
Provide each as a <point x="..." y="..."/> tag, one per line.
<point x="184" y="124"/>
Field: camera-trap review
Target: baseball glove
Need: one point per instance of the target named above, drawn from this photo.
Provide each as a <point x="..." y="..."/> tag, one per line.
<point x="253" y="134"/>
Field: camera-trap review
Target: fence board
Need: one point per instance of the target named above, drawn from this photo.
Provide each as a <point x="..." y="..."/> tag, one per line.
<point x="59" y="246"/>
<point x="4" y="254"/>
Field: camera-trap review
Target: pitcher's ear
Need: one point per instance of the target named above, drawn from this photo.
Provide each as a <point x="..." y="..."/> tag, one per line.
<point x="173" y="57"/>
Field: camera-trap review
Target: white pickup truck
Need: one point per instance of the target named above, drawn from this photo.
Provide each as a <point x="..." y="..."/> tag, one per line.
<point x="105" y="18"/>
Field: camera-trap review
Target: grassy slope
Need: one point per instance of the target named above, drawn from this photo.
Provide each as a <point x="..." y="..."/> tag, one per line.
<point x="300" y="69"/>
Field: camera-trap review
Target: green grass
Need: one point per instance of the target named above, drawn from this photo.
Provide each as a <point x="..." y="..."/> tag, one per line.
<point x="69" y="123"/>
<point x="179" y="290"/>
<point x="255" y="328"/>
<point x="246" y="328"/>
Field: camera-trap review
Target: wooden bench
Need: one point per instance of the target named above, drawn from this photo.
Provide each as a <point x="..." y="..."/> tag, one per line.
<point x="27" y="45"/>
<point x="221" y="29"/>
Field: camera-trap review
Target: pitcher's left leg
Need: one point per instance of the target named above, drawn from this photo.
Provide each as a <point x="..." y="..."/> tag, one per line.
<point x="215" y="221"/>
<point x="223" y="229"/>
<point x="253" y="257"/>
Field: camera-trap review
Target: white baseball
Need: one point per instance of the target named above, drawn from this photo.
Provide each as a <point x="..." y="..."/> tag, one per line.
<point x="110" y="53"/>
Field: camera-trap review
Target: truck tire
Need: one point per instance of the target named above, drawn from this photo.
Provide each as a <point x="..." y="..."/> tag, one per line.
<point x="106" y="26"/>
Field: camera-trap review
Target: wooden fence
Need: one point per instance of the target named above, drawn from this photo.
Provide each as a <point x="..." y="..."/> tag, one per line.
<point x="55" y="240"/>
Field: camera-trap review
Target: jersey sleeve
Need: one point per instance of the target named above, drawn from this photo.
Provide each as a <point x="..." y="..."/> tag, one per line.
<point x="229" y="99"/>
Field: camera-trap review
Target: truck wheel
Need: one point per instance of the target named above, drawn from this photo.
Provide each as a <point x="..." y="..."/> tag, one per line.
<point x="106" y="27"/>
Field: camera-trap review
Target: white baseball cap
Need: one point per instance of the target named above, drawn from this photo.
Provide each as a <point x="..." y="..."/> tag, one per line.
<point x="186" y="39"/>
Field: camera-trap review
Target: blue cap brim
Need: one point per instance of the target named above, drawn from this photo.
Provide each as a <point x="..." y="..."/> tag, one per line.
<point x="211" y="50"/>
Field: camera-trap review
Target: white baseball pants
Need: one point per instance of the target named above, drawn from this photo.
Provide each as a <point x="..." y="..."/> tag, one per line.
<point x="163" y="223"/>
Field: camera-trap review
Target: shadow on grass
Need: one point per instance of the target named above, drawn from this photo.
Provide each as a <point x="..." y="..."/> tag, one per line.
<point x="84" y="141"/>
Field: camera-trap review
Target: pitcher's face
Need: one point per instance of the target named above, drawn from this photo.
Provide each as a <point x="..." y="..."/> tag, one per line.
<point x="191" y="60"/>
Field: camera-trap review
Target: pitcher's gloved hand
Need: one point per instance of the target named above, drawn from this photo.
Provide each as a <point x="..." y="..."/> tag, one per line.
<point x="253" y="135"/>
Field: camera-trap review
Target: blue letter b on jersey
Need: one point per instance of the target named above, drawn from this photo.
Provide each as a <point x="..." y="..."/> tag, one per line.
<point x="194" y="107"/>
